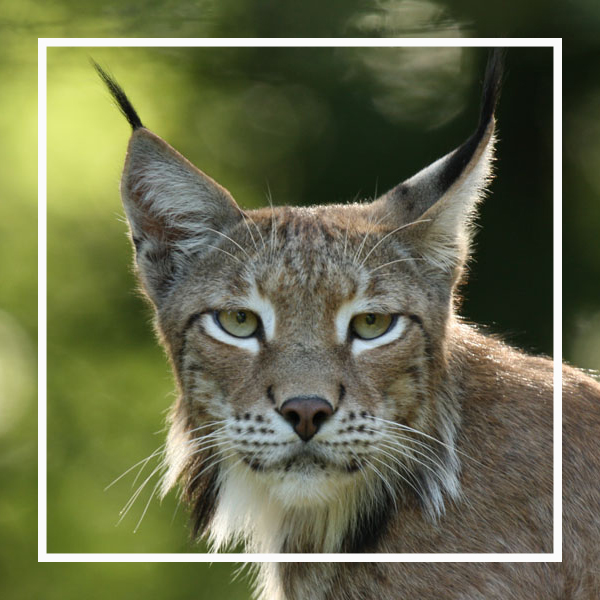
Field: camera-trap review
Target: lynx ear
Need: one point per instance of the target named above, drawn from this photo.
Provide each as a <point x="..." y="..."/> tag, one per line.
<point x="435" y="207"/>
<point x="173" y="209"/>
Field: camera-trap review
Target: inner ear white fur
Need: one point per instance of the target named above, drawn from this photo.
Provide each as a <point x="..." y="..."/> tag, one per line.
<point x="249" y="344"/>
<point x="448" y="232"/>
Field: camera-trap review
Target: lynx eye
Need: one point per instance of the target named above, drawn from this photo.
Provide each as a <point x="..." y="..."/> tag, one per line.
<point x="239" y="323"/>
<point x="368" y="326"/>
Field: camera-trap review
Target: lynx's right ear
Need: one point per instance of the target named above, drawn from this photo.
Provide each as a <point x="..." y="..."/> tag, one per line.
<point x="433" y="210"/>
<point x="174" y="210"/>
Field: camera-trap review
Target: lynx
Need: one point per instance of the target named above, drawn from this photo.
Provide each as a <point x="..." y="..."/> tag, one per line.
<point x="331" y="399"/>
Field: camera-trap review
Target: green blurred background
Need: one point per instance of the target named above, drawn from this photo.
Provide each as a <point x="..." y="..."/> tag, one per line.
<point x="311" y="126"/>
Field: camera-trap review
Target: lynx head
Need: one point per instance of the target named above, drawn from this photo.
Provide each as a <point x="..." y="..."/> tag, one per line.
<point x="308" y="344"/>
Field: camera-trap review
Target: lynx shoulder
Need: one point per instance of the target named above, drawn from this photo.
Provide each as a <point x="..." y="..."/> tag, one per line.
<point x="330" y="399"/>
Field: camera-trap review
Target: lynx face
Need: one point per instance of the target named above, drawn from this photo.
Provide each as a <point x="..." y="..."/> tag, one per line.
<point x="301" y="345"/>
<point x="308" y="343"/>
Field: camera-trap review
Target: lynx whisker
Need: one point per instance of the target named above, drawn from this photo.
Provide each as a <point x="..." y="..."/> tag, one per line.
<point x="139" y="473"/>
<point x="139" y="490"/>
<point x="371" y="224"/>
<point x="200" y="449"/>
<point x="389" y="434"/>
<point x="385" y="237"/>
<point x="402" y="427"/>
<point x="383" y="478"/>
<point x="216" y="459"/>
<point x="359" y="461"/>
<point x="393" y="262"/>
<point x="225" y="236"/>
<point x="207" y="436"/>
<point x="154" y="490"/>
<point x="206" y="425"/>
<point x="348" y="219"/>
<point x="375" y="194"/>
<point x="262" y="239"/>
<point x="193" y="247"/>
<point x="142" y="462"/>
<point x="246" y="218"/>
<point x="213" y="437"/>
<point x="399" y="448"/>
<point x="395" y="471"/>
<point x="272" y="241"/>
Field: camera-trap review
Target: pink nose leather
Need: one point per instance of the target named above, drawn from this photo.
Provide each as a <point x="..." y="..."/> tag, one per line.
<point x="306" y="414"/>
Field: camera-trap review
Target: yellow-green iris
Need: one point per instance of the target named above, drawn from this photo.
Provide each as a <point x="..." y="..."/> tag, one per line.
<point x="369" y="326"/>
<point x="239" y="323"/>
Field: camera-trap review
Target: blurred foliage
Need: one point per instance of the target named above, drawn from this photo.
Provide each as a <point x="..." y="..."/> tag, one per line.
<point x="310" y="126"/>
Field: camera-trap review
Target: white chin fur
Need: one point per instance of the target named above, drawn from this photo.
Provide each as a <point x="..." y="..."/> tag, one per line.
<point x="263" y="509"/>
<point x="297" y="489"/>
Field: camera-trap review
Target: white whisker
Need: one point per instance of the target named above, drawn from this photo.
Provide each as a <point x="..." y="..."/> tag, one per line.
<point x="136" y="494"/>
<point x="385" y="237"/>
<point x="396" y="472"/>
<point x="211" y="424"/>
<point x="385" y="434"/>
<point x="246" y="218"/>
<point x="392" y="262"/>
<point x="142" y="462"/>
<point x="216" y="459"/>
<point x="204" y="228"/>
<point x="158" y="483"/>
<point x="194" y="245"/>
<point x="394" y="424"/>
<point x="383" y="478"/>
<point x="272" y="240"/>
<point x="399" y="448"/>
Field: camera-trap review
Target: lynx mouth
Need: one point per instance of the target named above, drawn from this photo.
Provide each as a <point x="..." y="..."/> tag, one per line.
<point x="304" y="462"/>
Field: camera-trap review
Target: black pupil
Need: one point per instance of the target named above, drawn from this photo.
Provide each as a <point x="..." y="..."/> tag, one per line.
<point x="370" y="319"/>
<point x="240" y="317"/>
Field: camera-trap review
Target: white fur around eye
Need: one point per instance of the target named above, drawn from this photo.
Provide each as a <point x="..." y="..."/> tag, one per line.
<point x="344" y="316"/>
<point x="264" y="309"/>
<point x="395" y="331"/>
<point x="211" y="328"/>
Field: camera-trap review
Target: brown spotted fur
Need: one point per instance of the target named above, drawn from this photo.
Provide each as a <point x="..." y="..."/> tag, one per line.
<point x="474" y="474"/>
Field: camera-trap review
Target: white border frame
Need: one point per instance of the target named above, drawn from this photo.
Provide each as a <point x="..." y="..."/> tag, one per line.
<point x="44" y="44"/>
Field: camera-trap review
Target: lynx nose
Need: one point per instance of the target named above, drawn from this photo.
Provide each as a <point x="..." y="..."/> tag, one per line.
<point x="306" y="414"/>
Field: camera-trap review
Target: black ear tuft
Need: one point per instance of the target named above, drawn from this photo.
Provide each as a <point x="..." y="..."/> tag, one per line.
<point x="116" y="91"/>
<point x="492" y="84"/>
<point x="442" y="197"/>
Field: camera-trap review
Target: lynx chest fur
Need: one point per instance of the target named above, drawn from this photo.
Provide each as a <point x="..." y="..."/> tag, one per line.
<point x="330" y="400"/>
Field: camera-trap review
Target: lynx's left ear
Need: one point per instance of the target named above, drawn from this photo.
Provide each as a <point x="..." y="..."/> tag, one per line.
<point x="435" y="207"/>
<point x="174" y="210"/>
